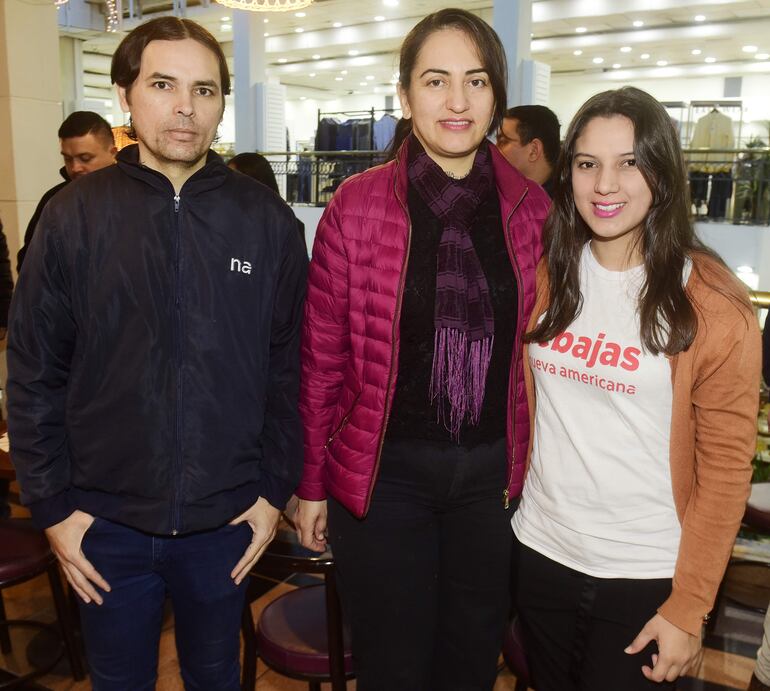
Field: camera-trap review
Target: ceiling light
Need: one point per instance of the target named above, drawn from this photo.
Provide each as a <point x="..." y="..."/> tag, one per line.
<point x="616" y="66"/>
<point x="580" y="30"/>
<point x="312" y="74"/>
<point x="225" y="19"/>
<point x="337" y="25"/>
<point x="316" y="56"/>
<point x="362" y="84"/>
<point x="298" y="30"/>
<point x="338" y="79"/>
<point x="353" y="53"/>
<point x="343" y="71"/>
<point x="266" y="5"/>
<point x="696" y="51"/>
<point x="762" y="56"/>
<point x="300" y="14"/>
<point x="265" y="20"/>
<point x="645" y="56"/>
<point x="749" y="49"/>
<point x="226" y="27"/>
<point x="392" y="81"/>
<point x="710" y="60"/>
<point x="577" y="52"/>
<point x="379" y="18"/>
<point x="699" y="18"/>
<point x="638" y="23"/>
<point x="266" y="34"/>
<point x="598" y="61"/>
<point x="662" y="63"/>
<point x="390" y="3"/>
<point x="626" y="49"/>
<point x="370" y="76"/>
<point x="302" y="98"/>
<point x="282" y="60"/>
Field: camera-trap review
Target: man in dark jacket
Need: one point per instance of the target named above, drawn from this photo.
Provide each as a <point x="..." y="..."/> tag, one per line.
<point x="154" y="373"/>
<point x="87" y="144"/>
<point x="529" y="139"/>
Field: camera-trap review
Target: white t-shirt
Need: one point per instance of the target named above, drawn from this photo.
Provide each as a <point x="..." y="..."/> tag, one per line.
<point x="598" y="495"/>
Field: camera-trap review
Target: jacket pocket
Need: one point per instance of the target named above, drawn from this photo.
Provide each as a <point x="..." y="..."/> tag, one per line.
<point x="343" y="421"/>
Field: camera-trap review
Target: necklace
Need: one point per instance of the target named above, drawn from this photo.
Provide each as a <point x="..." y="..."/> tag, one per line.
<point x="454" y="176"/>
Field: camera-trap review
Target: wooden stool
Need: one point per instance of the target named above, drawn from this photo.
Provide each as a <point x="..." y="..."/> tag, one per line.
<point x="25" y="554"/>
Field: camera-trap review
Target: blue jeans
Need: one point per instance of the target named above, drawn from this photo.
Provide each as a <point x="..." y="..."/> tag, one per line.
<point x="122" y="635"/>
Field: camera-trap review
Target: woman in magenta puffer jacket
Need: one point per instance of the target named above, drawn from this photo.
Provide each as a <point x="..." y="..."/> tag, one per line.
<point x="413" y="398"/>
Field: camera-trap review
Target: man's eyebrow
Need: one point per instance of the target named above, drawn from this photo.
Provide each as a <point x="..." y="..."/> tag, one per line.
<point x="159" y="75"/>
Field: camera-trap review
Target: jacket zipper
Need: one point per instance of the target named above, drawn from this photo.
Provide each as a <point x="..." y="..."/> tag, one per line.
<point x="177" y="474"/>
<point x="516" y="349"/>
<point x="343" y="422"/>
<point x="396" y="319"/>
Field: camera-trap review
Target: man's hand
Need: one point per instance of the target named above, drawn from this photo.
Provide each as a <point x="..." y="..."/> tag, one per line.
<point x="263" y="518"/>
<point x="66" y="538"/>
<point x="310" y="520"/>
<point x="677" y="649"/>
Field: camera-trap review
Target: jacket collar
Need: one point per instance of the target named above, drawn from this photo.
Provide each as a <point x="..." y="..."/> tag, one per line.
<point x="511" y="184"/>
<point x="63" y="173"/>
<point x="212" y="175"/>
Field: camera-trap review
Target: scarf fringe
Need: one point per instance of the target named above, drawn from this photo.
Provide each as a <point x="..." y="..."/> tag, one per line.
<point x="458" y="377"/>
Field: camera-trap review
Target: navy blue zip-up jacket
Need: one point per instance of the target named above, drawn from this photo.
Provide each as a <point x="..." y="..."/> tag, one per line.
<point x="153" y="353"/>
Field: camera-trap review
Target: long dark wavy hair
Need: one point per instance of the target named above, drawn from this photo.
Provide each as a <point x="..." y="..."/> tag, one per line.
<point x="667" y="317"/>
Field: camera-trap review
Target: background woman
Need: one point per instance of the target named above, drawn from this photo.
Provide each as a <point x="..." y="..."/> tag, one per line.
<point x="645" y="357"/>
<point x="421" y="285"/>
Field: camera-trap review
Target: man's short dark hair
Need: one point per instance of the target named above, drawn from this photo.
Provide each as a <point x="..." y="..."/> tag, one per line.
<point x="538" y="122"/>
<point x="83" y="122"/>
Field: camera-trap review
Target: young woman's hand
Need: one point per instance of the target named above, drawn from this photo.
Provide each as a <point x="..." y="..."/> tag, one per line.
<point x="677" y="649"/>
<point x="310" y="521"/>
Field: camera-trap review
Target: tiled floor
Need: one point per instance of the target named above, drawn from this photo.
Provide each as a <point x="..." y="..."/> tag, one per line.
<point x="727" y="662"/>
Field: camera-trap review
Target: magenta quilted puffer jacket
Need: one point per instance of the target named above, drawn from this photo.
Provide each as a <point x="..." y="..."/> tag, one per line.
<point x="350" y="336"/>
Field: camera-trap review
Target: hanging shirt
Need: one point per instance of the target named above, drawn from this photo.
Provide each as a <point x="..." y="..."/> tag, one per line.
<point x="598" y="494"/>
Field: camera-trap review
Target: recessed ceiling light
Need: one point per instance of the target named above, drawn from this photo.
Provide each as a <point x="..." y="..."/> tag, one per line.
<point x="298" y="30"/>
<point x="598" y="61"/>
<point x="662" y="63"/>
<point x="265" y="21"/>
<point x="645" y="56"/>
<point x="225" y="19"/>
<point x="338" y="79"/>
<point x="390" y="3"/>
<point x="362" y="84"/>
<point x="762" y="56"/>
<point x="379" y="18"/>
<point x="226" y="27"/>
<point x="699" y="18"/>
<point x="337" y="25"/>
<point x="316" y="56"/>
<point x="282" y="60"/>
<point x="312" y="74"/>
<point x="616" y="66"/>
<point x="300" y="14"/>
<point x="266" y="34"/>
<point x="580" y="30"/>
<point x="302" y="98"/>
<point x="638" y="23"/>
<point x="577" y="52"/>
<point x="696" y="51"/>
<point x="626" y="49"/>
<point x="353" y="53"/>
<point x="369" y="77"/>
<point x="710" y="60"/>
<point x="749" y="49"/>
<point x="343" y="71"/>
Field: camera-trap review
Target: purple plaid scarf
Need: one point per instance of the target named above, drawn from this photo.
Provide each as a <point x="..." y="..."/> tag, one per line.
<point x="463" y="317"/>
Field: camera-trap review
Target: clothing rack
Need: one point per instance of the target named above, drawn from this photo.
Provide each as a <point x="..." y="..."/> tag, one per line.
<point x="355" y="113"/>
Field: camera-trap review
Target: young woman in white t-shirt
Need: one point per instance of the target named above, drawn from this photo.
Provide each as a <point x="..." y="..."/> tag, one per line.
<point x="644" y="364"/>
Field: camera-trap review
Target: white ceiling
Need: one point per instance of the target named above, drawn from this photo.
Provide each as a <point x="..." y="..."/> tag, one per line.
<point x="316" y="62"/>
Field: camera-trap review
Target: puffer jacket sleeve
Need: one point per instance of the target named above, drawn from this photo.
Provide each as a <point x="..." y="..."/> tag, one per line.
<point x="40" y="349"/>
<point x="325" y="345"/>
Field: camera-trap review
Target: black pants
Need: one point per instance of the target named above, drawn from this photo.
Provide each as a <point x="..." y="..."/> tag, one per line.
<point x="575" y="626"/>
<point x="425" y="577"/>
